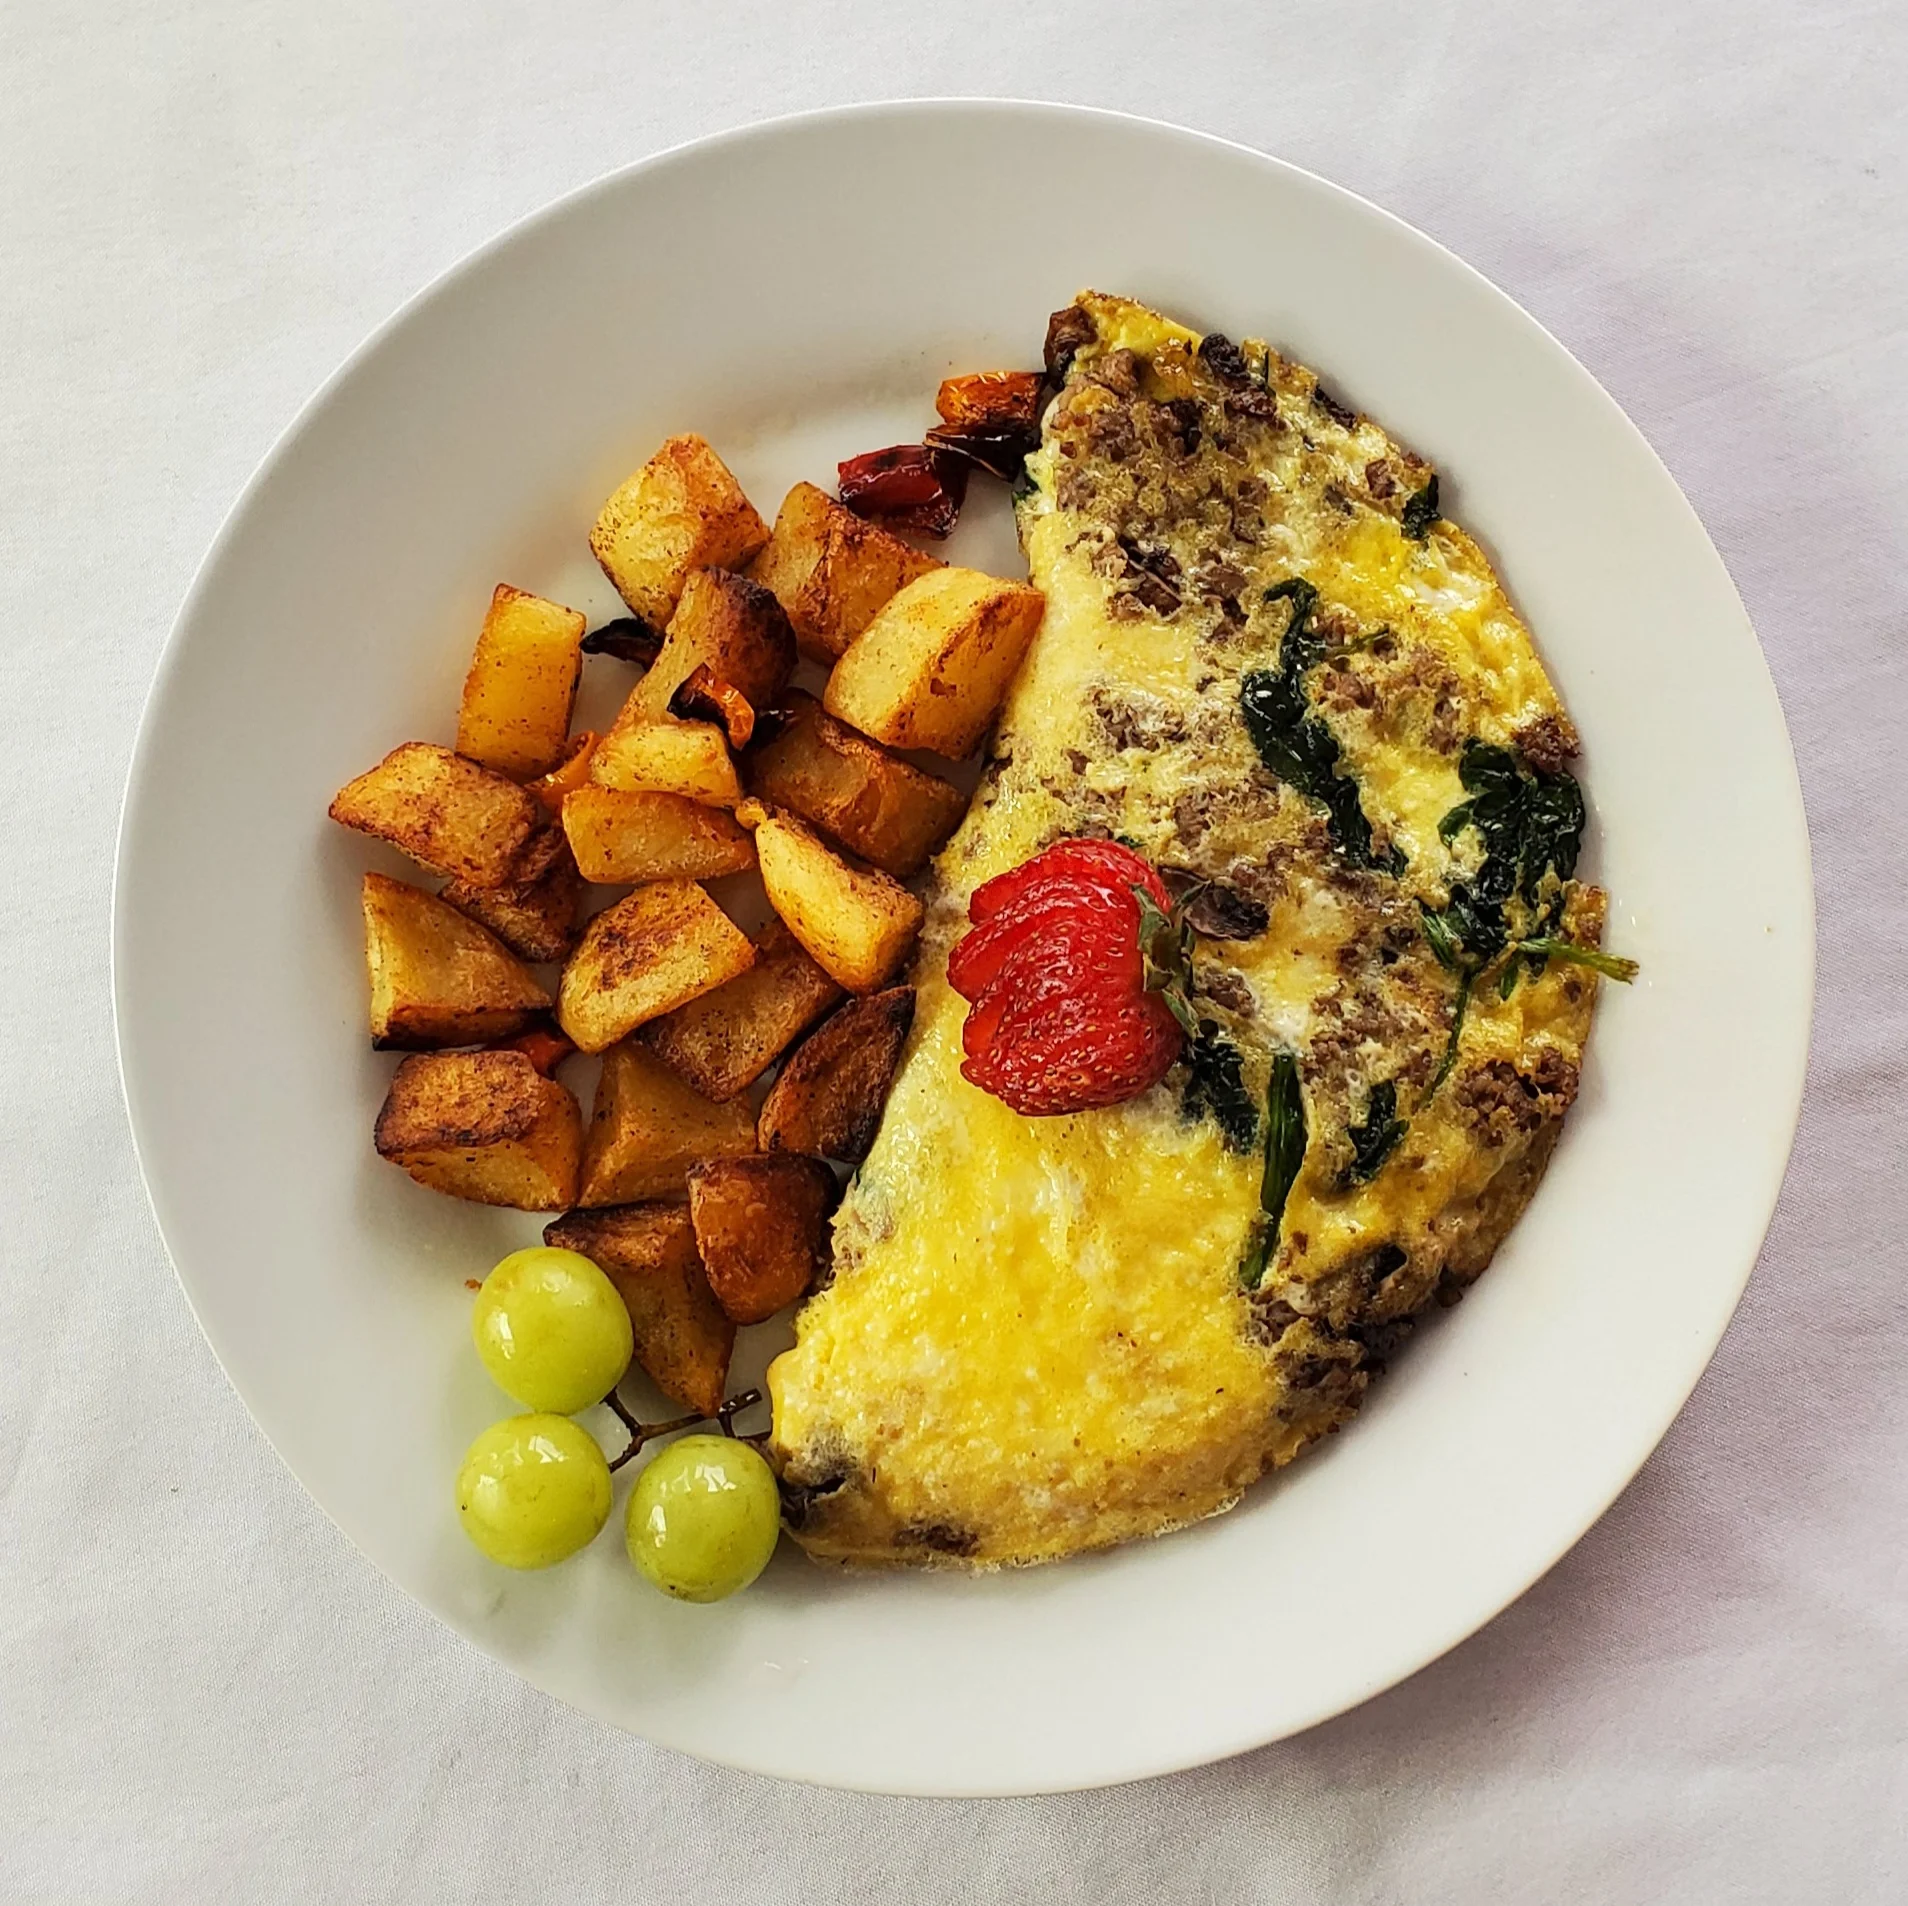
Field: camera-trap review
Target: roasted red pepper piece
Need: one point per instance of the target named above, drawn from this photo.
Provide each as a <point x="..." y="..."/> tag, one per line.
<point x="911" y="486"/>
<point x="990" y="399"/>
<point x="1061" y="1017"/>
<point x="545" y="1048"/>
<point x="705" y="696"/>
<point x="992" y="418"/>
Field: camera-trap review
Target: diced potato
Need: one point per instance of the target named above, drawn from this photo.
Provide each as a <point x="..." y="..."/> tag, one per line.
<point x="569" y="774"/>
<point x="733" y="627"/>
<point x="873" y="802"/>
<point x="655" y="949"/>
<point x="449" y="814"/>
<point x="516" y="710"/>
<point x="690" y="758"/>
<point x="724" y="1041"/>
<point x="761" y="1230"/>
<point x="831" y="570"/>
<point x="932" y="668"/>
<point x="857" y="923"/>
<point x="544" y="850"/>
<point x="437" y="978"/>
<point x="647" y="1128"/>
<point x="680" y="512"/>
<point x="828" y="1099"/>
<point x="683" y="1338"/>
<point x="537" y="920"/>
<point x="484" y="1126"/>
<point x="617" y="836"/>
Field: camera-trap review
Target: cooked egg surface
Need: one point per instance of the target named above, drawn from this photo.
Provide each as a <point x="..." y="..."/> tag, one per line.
<point x="1037" y="1338"/>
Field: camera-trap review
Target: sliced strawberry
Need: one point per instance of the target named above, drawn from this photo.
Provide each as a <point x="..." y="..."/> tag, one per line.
<point x="1061" y="1018"/>
<point x="1101" y="863"/>
<point x="980" y="956"/>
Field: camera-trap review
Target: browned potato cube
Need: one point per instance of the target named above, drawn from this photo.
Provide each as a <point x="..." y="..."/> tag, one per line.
<point x="689" y="758"/>
<point x="931" y="670"/>
<point x="877" y="805"/>
<point x="680" y="512"/>
<point x="831" y="570"/>
<point x="569" y="774"/>
<point x="761" y="1229"/>
<point x="857" y="923"/>
<point x="449" y="814"/>
<point x="617" y="836"/>
<point x="437" y="978"/>
<point x="647" y="1128"/>
<point x="655" y="949"/>
<point x="683" y="1339"/>
<point x="536" y="920"/>
<point x="729" y="625"/>
<point x="727" y="1039"/>
<point x="516" y="710"/>
<point x="484" y="1126"/>
<point x="828" y="1099"/>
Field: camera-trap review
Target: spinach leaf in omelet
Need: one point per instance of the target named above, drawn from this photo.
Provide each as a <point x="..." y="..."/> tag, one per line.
<point x="1284" y="1154"/>
<point x="1295" y="744"/>
<point x="1215" y="1083"/>
<point x="1375" y="1138"/>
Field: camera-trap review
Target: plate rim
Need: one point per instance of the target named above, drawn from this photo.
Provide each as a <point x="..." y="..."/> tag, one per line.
<point x="165" y="669"/>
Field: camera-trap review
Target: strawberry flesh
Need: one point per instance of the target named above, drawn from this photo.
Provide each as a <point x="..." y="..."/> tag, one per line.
<point x="1060" y="1018"/>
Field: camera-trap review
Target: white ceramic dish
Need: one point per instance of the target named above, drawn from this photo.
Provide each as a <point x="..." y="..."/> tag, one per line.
<point x="794" y="292"/>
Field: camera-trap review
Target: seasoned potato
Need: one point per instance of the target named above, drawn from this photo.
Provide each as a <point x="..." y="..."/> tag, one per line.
<point x="656" y="948"/>
<point x="761" y="1230"/>
<point x="831" y="570"/>
<point x="450" y="815"/>
<point x="873" y="802"/>
<point x="536" y="919"/>
<point x="932" y="668"/>
<point x="569" y="774"/>
<point x="857" y="923"/>
<point x="828" y="1099"/>
<point x="690" y="758"/>
<point x="683" y="1338"/>
<point x="516" y="709"/>
<point x="680" y="512"/>
<point x="727" y="1039"/>
<point x="617" y="836"/>
<point x="647" y="1128"/>
<point x="486" y="1126"/>
<point x="437" y="978"/>
<point x="729" y="625"/>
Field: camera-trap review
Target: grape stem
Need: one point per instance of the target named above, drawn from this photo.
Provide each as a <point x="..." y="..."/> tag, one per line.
<point x="642" y="1433"/>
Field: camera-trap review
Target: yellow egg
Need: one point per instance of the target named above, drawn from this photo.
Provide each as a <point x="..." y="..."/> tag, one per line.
<point x="1037" y="1339"/>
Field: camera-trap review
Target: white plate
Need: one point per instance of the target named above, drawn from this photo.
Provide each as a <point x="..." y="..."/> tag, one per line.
<point x="794" y="292"/>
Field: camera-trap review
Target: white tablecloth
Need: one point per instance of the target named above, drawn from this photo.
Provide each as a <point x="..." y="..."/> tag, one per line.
<point x="205" y="1694"/>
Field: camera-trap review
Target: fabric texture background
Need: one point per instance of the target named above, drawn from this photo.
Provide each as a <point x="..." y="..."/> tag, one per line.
<point x="206" y="1694"/>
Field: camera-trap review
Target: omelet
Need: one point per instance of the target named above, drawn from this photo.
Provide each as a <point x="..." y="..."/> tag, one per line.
<point x="1271" y="666"/>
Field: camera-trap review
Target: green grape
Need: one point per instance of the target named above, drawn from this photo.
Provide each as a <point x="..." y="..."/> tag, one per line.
<point x="551" y="1330"/>
<point x="532" y="1490"/>
<point x="703" y="1518"/>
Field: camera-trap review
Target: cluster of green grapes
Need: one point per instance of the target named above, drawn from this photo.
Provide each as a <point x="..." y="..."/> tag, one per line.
<point x="555" y="1336"/>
